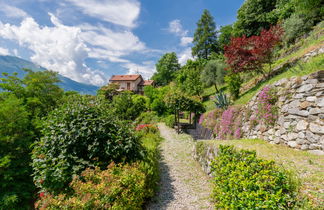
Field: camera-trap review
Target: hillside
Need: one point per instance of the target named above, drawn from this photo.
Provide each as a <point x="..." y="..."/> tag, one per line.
<point x="11" y="64"/>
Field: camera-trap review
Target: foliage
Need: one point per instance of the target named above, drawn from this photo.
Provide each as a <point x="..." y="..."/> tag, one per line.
<point x="128" y="106"/>
<point x="146" y="118"/>
<point x="253" y="16"/>
<point x="226" y="33"/>
<point x="118" y="187"/>
<point x="249" y="54"/>
<point x="188" y="77"/>
<point x="147" y="128"/>
<point x="241" y="180"/>
<point x="169" y="121"/>
<point x="221" y="101"/>
<point x="166" y="68"/>
<point x="294" y="27"/>
<point x="156" y="99"/>
<point x="15" y="137"/>
<point x="267" y="112"/>
<point x="234" y="83"/>
<point x="205" y="37"/>
<point x="108" y="91"/>
<point x="22" y="103"/>
<point x="80" y="134"/>
<point x="213" y="73"/>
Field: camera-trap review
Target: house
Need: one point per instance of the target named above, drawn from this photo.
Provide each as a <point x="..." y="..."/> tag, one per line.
<point x="134" y="82"/>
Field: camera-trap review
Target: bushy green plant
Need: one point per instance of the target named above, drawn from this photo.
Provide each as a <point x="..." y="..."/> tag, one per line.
<point x="80" y="134"/>
<point x="118" y="187"/>
<point x="294" y="27"/>
<point x="234" y="83"/>
<point x="147" y="118"/>
<point x="242" y="181"/>
<point x="169" y="121"/>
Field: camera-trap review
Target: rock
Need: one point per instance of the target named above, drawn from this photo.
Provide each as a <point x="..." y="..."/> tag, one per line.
<point x="297" y="96"/>
<point x="277" y="133"/>
<point x="305" y="88"/>
<point x="304" y="147"/>
<point x="292" y="136"/>
<point x="316" y="152"/>
<point x="286" y="125"/>
<point x="312" y="137"/>
<point x="313" y="146"/>
<point x="304" y="105"/>
<point x="311" y="118"/>
<point x="321" y="116"/>
<point x="285" y="137"/>
<point x="311" y="98"/>
<point x="320" y="102"/>
<point x="316" y="128"/>
<point x="312" y="81"/>
<point x="276" y="141"/>
<point x="300" y="141"/>
<point x="302" y="125"/>
<point x="292" y="144"/>
<point x="301" y="135"/>
<point x="316" y="111"/>
<point x="294" y="104"/>
<point x="271" y="131"/>
<point x="296" y="111"/>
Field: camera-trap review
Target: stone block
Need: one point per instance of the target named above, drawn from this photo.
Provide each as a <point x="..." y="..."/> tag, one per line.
<point x="320" y="102"/>
<point x="292" y="136"/>
<point x="316" y="152"/>
<point x="300" y="141"/>
<point x="301" y="135"/>
<point x="315" y="128"/>
<point x="302" y="125"/>
<point x="304" y="105"/>
<point x="305" y="88"/>
<point x="292" y="144"/>
<point x="311" y="98"/>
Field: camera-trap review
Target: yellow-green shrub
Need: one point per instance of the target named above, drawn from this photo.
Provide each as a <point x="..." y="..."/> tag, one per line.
<point x="242" y="181"/>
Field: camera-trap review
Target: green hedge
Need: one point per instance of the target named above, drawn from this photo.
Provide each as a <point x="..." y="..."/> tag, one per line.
<point x="169" y="121"/>
<point x="242" y="181"/>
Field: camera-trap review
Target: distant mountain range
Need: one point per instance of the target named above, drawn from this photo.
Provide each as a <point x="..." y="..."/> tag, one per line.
<point x="11" y="64"/>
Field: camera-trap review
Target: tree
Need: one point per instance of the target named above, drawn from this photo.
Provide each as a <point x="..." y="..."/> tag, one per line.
<point x="225" y="36"/>
<point x="205" y="37"/>
<point x="255" y="15"/>
<point x="109" y="91"/>
<point x="188" y="78"/>
<point x="249" y="54"/>
<point x="213" y="73"/>
<point x="166" y="68"/>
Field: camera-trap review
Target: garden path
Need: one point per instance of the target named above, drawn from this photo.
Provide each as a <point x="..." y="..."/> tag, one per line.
<point x="183" y="184"/>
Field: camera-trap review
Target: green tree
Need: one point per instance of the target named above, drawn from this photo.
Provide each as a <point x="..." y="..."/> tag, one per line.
<point x="156" y="97"/>
<point x="108" y="91"/>
<point x="225" y="36"/>
<point x="166" y="68"/>
<point x="188" y="78"/>
<point x="255" y="15"/>
<point x="205" y="37"/>
<point x="16" y="136"/>
<point x="213" y="74"/>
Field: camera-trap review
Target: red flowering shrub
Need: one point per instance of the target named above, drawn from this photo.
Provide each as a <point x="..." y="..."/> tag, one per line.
<point x="147" y="128"/>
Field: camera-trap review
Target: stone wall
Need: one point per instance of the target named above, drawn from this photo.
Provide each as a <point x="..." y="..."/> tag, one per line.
<point x="300" y="122"/>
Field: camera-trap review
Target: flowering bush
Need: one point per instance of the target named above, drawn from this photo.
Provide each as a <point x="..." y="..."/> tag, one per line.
<point x="147" y="128"/>
<point x="266" y="112"/>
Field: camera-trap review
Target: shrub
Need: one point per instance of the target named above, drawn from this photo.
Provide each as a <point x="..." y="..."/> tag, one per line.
<point x="242" y="181"/>
<point x="147" y="128"/>
<point x="78" y="135"/>
<point x="221" y="101"/>
<point x="294" y="27"/>
<point x="147" y="118"/>
<point x="169" y="121"/>
<point x="234" y="83"/>
<point x="118" y="187"/>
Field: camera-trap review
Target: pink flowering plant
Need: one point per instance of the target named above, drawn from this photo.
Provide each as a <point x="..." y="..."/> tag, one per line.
<point x="267" y="111"/>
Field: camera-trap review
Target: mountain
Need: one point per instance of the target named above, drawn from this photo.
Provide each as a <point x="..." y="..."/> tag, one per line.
<point x="11" y="64"/>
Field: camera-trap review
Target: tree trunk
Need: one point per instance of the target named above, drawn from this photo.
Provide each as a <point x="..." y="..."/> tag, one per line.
<point x="217" y="91"/>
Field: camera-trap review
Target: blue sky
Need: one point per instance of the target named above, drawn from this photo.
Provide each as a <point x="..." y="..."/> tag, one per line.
<point x="90" y="40"/>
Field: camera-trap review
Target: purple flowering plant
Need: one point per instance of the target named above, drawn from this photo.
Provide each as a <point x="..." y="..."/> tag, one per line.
<point x="267" y="110"/>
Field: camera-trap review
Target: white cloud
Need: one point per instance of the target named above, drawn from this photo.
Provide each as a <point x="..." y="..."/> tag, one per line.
<point x="146" y="69"/>
<point x="121" y="12"/>
<point x="176" y="28"/>
<point x="4" y="51"/>
<point x="185" y="55"/>
<point x="59" y="48"/>
<point x="186" y="40"/>
<point x="11" y="11"/>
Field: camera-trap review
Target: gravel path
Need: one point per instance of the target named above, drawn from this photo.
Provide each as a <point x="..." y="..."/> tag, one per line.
<point x="183" y="184"/>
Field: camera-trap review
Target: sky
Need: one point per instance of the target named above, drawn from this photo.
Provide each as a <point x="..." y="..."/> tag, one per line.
<point x="91" y="40"/>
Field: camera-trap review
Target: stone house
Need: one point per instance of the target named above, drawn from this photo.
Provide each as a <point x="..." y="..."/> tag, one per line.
<point x="134" y="82"/>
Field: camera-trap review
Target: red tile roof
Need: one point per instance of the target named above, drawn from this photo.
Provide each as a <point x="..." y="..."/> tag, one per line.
<point x="148" y="82"/>
<point x="132" y="77"/>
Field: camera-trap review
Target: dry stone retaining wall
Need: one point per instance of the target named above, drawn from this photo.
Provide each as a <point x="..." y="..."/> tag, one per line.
<point x="300" y="122"/>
